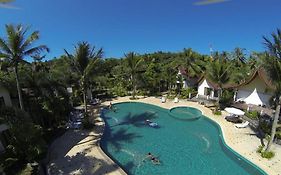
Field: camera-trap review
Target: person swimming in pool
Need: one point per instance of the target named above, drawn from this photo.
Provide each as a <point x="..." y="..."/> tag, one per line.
<point x="155" y="161"/>
<point x="149" y="155"/>
<point x="111" y="107"/>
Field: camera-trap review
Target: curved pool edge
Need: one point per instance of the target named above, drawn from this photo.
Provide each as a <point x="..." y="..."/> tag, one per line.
<point x="206" y="116"/>
<point x="107" y="157"/>
<point x="185" y="119"/>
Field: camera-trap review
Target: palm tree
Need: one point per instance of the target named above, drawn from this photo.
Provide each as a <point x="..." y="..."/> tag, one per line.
<point x="218" y="72"/>
<point x="133" y="64"/>
<point x="191" y="62"/>
<point x="16" y="47"/>
<point x="272" y="64"/>
<point x="239" y="56"/>
<point x="84" y="59"/>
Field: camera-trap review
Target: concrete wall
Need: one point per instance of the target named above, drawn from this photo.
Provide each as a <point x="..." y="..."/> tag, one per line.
<point x="5" y="94"/>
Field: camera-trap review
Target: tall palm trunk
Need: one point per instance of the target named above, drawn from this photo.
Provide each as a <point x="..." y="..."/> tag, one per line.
<point x="85" y="97"/>
<point x="18" y="87"/>
<point x="134" y="86"/>
<point x="273" y="129"/>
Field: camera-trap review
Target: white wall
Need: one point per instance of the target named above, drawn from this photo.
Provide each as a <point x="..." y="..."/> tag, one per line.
<point x="201" y="87"/>
<point x="5" y="94"/>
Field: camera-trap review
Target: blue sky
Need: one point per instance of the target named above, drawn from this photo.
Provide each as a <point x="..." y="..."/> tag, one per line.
<point x="146" y="26"/>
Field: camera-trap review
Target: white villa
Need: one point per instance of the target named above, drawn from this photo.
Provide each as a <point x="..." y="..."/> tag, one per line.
<point x="5" y="100"/>
<point x="187" y="81"/>
<point x="207" y="89"/>
<point x="257" y="90"/>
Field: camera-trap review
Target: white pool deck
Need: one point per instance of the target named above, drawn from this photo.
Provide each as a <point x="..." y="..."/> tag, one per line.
<point x="86" y="157"/>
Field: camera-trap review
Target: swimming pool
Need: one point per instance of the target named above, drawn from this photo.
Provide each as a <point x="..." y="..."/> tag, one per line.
<point x="183" y="146"/>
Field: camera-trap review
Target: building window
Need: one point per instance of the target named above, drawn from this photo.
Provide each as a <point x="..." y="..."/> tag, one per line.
<point x="216" y="93"/>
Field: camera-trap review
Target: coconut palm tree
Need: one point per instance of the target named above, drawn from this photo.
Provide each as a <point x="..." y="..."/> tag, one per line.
<point x="84" y="61"/>
<point x="272" y="64"/>
<point x="239" y="56"/>
<point x="191" y="62"/>
<point x="218" y="72"/>
<point x="16" y="47"/>
<point x="133" y="62"/>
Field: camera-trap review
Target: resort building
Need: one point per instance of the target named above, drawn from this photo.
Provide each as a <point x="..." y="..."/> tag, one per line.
<point x="207" y="89"/>
<point x="187" y="81"/>
<point x="257" y="90"/>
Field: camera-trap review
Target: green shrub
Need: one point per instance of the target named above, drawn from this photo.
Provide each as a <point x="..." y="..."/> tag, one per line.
<point x="252" y="114"/>
<point x="265" y="127"/>
<point x="119" y="90"/>
<point x="226" y="99"/>
<point x="142" y="93"/>
<point x="171" y="97"/>
<point x="217" y="112"/>
<point x="185" y="92"/>
<point x="267" y="154"/>
<point x="260" y="148"/>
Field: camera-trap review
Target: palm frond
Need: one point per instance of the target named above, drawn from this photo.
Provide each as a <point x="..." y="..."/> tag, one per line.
<point x="36" y="50"/>
<point x="4" y="56"/>
<point x="28" y="42"/>
<point x="4" y="47"/>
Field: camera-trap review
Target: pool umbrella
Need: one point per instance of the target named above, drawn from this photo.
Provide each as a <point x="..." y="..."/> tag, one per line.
<point x="234" y="111"/>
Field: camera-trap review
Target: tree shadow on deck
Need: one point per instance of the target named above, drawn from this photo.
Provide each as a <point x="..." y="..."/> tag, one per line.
<point x="83" y="164"/>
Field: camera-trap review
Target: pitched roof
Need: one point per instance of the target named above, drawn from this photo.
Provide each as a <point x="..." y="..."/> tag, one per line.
<point x="262" y="75"/>
<point x="203" y="77"/>
<point x="215" y="85"/>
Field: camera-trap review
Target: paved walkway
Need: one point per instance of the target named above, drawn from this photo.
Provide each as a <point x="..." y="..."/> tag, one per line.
<point x="77" y="152"/>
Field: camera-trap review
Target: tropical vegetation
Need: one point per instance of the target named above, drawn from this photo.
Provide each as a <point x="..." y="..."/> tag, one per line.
<point x="44" y="102"/>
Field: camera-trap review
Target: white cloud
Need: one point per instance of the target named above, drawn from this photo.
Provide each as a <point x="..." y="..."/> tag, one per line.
<point x="208" y="2"/>
<point x="8" y="6"/>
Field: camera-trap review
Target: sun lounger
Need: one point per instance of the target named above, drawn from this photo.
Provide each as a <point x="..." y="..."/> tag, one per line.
<point x="242" y="125"/>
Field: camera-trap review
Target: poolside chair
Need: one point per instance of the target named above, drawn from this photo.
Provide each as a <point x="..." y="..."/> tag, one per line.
<point x="176" y="100"/>
<point x="242" y="125"/>
<point x="163" y="99"/>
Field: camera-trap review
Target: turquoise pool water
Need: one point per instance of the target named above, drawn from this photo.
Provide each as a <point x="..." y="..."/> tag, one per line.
<point x="185" y="147"/>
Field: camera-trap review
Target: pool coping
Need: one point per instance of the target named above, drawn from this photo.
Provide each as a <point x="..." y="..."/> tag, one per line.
<point x="187" y="119"/>
<point x="151" y="101"/>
